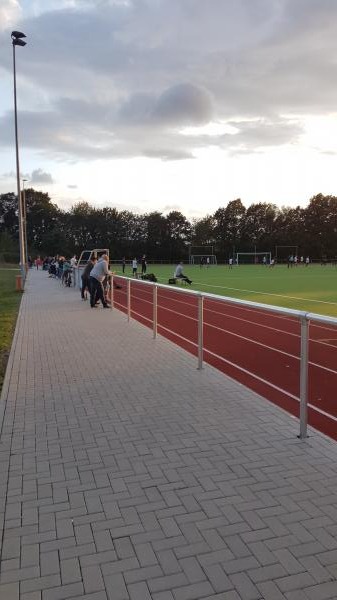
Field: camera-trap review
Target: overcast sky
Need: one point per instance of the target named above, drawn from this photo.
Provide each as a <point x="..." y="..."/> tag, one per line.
<point x="171" y="104"/>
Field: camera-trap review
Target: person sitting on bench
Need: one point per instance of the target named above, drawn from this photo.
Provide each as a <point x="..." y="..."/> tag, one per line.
<point x="178" y="274"/>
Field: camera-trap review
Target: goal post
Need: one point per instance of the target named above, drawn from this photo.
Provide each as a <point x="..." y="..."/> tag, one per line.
<point x="282" y="252"/>
<point x="253" y="258"/>
<point x="203" y="259"/>
<point x="199" y="255"/>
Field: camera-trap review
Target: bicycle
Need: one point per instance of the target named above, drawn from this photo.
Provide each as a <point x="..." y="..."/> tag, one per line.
<point x="67" y="279"/>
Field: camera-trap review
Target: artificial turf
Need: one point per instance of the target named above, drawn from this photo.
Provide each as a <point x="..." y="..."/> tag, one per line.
<point x="312" y="288"/>
<point x="9" y="306"/>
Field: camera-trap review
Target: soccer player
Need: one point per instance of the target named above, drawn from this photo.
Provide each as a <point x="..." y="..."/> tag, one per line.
<point x="144" y="264"/>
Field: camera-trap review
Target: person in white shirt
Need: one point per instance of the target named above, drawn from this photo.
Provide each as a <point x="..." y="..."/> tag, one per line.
<point x="97" y="275"/>
<point x="178" y="274"/>
<point x="73" y="261"/>
<point x="134" y="267"/>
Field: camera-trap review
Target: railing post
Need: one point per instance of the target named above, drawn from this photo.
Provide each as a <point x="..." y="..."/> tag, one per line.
<point x="112" y="292"/>
<point x="200" y="330"/>
<point x="155" y="311"/>
<point x="129" y="298"/>
<point x="304" y="377"/>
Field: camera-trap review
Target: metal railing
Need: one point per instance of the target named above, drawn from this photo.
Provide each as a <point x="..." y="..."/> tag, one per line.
<point x="302" y="317"/>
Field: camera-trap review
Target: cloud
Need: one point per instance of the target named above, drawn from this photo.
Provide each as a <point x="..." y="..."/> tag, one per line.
<point x="183" y="105"/>
<point x="172" y="208"/>
<point x="10" y="12"/>
<point x="131" y="74"/>
<point x="41" y="177"/>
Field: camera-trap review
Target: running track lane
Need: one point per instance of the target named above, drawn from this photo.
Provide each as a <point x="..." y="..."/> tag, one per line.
<point x="259" y="349"/>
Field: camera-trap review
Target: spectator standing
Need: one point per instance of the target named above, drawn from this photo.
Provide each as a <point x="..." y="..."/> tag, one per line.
<point x="73" y="261"/>
<point x="97" y="275"/>
<point x="123" y="264"/>
<point x="86" y="277"/>
<point x="66" y="268"/>
<point x="38" y="262"/>
<point x="134" y="267"/>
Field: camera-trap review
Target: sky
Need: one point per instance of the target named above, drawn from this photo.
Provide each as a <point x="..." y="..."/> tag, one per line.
<point x="171" y="104"/>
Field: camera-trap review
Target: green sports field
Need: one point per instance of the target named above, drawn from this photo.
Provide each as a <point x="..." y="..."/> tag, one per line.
<point x="9" y="306"/>
<point x="312" y="288"/>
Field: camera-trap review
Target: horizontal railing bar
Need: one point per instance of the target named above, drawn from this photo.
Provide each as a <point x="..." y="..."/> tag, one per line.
<point x="226" y="299"/>
<point x="321" y="318"/>
<point x="245" y="303"/>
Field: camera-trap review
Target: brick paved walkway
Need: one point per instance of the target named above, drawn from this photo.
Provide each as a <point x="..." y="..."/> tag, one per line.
<point x="128" y="474"/>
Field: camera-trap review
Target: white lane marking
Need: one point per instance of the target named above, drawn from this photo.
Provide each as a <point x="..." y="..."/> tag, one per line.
<point x="265" y="293"/>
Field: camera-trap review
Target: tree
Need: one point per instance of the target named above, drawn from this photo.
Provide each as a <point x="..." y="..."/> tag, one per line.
<point x="258" y="229"/>
<point x="9" y="215"/>
<point x="228" y="226"/>
<point x="203" y="231"/>
<point x="156" y="234"/>
<point x="179" y="232"/>
<point x="42" y="217"/>
<point x="321" y="225"/>
<point x="290" y="230"/>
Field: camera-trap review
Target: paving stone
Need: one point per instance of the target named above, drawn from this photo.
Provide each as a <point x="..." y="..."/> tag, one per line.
<point x="193" y="591"/>
<point x="92" y="579"/>
<point x="70" y="570"/>
<point x="155" y="480"/>
<point x="139" y="591"/>
<point x="10" y="591"/>
<point x="245" y="587"/>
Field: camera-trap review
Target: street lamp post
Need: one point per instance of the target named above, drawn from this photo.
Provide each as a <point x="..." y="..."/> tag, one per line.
<point x="18" y="41"/>
<point x="24" y="220"/>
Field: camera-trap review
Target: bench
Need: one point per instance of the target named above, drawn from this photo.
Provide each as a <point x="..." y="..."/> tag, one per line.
<point x="177" y="280"/>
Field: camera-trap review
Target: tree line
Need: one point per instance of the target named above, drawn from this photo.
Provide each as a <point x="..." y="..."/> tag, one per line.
<point x="232" y="228"/>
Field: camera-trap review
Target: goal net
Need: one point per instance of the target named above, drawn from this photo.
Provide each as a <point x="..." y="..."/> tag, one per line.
<point x="203" y="259"/>
<point x="283" y="252"/>
<point x="253" y="258"/>
<point x="202" y="255"/>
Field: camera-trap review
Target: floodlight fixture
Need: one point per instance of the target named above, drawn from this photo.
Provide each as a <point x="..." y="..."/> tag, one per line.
<point x="18" y="41"/>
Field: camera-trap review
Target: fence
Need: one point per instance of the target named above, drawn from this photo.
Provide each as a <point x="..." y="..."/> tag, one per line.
<point x="288" y="356"/>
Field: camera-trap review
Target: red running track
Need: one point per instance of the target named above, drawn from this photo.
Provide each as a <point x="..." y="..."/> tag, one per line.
<point x="259" y="349"/>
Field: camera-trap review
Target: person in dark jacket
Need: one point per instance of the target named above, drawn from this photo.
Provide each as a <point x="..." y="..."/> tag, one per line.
<point x="144" y="264"/>
<point x="86" y="277"/>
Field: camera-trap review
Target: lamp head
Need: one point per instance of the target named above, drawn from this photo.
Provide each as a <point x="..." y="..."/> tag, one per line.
<point x="17" y="38"/>
<point x="17" y="35"/>
<point x="18" y="42"/>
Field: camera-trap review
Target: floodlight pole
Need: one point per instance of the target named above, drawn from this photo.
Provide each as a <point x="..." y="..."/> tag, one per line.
<point x="24" y="219"/>
<point x="17" y="41"/>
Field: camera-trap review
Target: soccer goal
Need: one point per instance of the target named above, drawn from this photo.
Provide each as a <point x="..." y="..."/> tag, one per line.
<point x="253" y="258"/>
<point x="283" y="252"/>
<point x="202" y="255"/>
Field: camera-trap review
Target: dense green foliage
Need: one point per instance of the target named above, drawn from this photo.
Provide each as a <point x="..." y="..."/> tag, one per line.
<point x="230" y="229"/>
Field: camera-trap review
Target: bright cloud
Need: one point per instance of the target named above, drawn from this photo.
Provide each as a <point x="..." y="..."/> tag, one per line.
<point x="128" y="79"/>
<point x="10" y="12"/>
